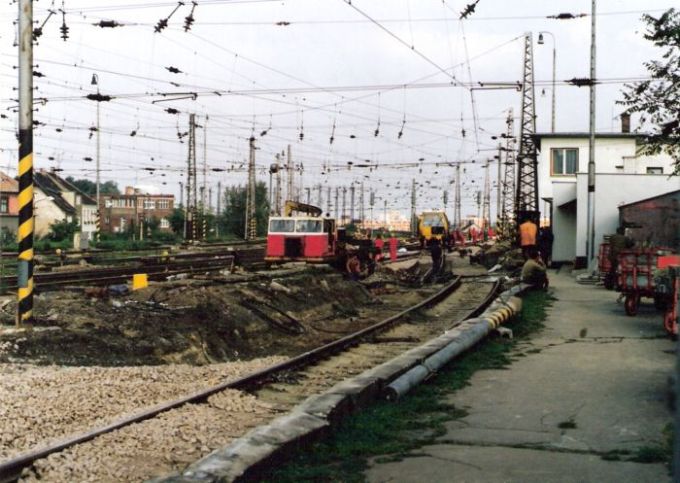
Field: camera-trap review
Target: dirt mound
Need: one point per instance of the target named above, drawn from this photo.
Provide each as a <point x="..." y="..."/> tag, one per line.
<point x="194" y="321"/>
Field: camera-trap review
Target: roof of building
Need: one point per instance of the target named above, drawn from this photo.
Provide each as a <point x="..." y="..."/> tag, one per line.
<point x="576" y="134"/>
<point x="47" y="185"/>
<point x="662" y="195"/>
<point x="8" y="184"/>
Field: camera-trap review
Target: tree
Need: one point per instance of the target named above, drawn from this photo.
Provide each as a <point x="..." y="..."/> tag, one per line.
<point x="233" y="219"/>
<point x="63" y="230"/>
<point x="658" y="99"/>
<point x="176" y="220"/>
<point x="90" y="187"/>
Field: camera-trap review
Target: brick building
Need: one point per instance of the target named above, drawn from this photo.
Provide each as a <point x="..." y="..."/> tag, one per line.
<point x="120" y="212"/>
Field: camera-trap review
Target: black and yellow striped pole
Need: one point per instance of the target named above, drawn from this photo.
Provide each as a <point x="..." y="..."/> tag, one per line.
<point x="25" y="231"/>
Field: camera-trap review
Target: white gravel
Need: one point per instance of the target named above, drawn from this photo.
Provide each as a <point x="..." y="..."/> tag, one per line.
<point x="41" y="404"/>
<point x="158" y="446"/>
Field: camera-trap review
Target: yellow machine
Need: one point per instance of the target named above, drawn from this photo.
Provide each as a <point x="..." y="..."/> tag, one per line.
<point x="433" y="225"/>
<point x="295" y="206"/>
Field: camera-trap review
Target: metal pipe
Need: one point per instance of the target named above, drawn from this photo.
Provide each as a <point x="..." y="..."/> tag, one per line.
<point x="459" y="341"/>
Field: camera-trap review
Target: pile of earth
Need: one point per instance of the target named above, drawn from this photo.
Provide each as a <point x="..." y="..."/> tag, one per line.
<point x="198" y="321"/>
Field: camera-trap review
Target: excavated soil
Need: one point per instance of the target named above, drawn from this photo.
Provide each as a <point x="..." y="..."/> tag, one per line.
<point x="201" y="321"/>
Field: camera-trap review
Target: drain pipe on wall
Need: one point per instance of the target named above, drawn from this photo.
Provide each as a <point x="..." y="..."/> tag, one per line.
<point x="460" y="339"/>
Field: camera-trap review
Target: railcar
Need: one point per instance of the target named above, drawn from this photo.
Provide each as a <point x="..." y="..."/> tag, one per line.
<point x="301" y="238"/>
<point x="433" y="225"/>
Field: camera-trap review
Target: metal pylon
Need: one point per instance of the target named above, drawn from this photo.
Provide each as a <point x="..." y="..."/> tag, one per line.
<point x="526" y="197"/>
<point x="486" y="199"/>
<point x="507" y="215"/>
<point x="457" y="220"/>
<point x="251" y="220"/>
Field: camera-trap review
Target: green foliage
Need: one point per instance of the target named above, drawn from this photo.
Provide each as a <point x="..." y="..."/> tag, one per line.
<point x="176" y="220"/>
<point x="232" y="221"/>
<point x="63" y="230"/>
<point x="658" y="99"/>
<point x="389" y="431"/>
<point x="90" y="187"/>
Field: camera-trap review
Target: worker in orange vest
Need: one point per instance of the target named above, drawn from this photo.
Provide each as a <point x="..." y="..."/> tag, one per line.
<point x="527" y="236"/>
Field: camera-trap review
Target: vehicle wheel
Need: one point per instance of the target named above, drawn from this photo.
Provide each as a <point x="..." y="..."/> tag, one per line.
<point x="631" y="304"/>
<point x="660" y="302"/>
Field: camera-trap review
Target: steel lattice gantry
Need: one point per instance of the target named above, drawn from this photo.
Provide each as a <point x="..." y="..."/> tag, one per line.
<point x="526" y="197"/>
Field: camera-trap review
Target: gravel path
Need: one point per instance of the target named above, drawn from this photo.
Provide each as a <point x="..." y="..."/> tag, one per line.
<point x="158" y="446"/>
<point x="40" y="404"/>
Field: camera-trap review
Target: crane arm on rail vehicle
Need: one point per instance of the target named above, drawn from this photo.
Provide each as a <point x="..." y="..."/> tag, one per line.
<point x="295" y="206"/>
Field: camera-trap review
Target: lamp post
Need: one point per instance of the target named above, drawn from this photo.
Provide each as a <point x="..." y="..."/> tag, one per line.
<point x="541" y="41"/>
<point x="95" y="82"/>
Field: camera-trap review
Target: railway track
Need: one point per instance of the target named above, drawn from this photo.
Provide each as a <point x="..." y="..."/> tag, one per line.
<point x="157" y="268"/>
<point x="278" y="387"/>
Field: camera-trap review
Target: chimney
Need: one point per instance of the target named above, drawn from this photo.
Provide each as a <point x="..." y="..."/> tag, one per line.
<point x="129" y="190"/>
<point x="625" y="122"/>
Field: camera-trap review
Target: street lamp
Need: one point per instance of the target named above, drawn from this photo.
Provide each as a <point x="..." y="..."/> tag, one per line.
<point x="541" y="41"/>
<point x="95" y="82"/>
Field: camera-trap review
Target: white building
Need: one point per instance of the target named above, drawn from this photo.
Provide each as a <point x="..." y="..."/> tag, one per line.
<point x="622" y="176"/>
<point x="58" y="200"/>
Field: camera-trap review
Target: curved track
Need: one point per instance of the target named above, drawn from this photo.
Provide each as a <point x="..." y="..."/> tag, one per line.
<point x="285" y="384"/>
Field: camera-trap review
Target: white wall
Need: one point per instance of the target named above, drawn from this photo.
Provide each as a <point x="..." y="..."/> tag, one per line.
<point x="46" y="212"/>
<point x="611" y="191"/>
<point x="612" y="155"/>
<point x="564" y="222"/>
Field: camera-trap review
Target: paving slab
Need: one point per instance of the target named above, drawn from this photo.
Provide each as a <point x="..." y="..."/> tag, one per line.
<point x="592" y="382"/>
<point x="462" y="464"/>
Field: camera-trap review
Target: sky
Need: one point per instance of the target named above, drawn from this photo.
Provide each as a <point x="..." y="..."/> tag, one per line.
<point x="298" y="72"/>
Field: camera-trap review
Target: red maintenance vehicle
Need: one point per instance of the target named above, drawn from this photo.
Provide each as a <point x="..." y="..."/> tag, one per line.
<point x="651" y="273"/>
<point x="308" y="237"/>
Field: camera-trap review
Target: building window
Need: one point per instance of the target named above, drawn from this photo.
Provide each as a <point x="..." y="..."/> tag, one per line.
<point x="4" y="204"/>
<point x="122" y="224"/>
<point x="149" y="205"/>
<point x="163" y="204"/>
<point x="564" y="161"/>
<point x="108" y="204"/>
<point x="165" y="223"/>
<point x="654" y="170"/>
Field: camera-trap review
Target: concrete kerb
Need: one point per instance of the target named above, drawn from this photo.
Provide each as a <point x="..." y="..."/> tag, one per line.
<point x="262" y="447"/>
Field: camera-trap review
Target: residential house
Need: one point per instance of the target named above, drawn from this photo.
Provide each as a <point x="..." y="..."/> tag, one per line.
<point x="9" y="203"/>
<point x="622" y="175"/>
<point x="55" y="199"/>
<point x="120" y="212"/>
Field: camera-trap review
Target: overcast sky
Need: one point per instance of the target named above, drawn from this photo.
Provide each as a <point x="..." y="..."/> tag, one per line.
<point x="331" y="65"/>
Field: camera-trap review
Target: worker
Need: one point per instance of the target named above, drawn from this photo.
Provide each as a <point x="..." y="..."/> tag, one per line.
<point x="379" y="245"/>
<point x="353" y="267"/>
<point x="527" y="236"/>
<point x="436" y="254"/>
<point x="545" y="241"/>
<point x="393" y="248"/>
<point x="617" y="243"/>
<point x="534" y="270"/>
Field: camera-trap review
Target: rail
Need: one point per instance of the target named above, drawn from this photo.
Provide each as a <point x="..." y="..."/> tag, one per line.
<point x="11" y="469"/>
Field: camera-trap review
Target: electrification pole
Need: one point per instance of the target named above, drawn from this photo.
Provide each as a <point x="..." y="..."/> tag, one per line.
<point x="25" y="169"/>
<point x="328" y="201"/>
<point x="590" y="231"/>
<point x="95" y="81"/>
<point x="413" y="224"/>
<point x="351" y="203"/>
<point x="219" y="209"/>
<point x="251" y="221"/>
<point x="291" y="172"/>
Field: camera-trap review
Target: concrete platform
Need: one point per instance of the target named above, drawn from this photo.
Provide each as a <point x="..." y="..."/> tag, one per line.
<point x="593" y="382"/>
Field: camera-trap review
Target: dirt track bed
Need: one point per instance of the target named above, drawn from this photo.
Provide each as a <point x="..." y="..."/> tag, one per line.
<point x="197" y="321"/>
